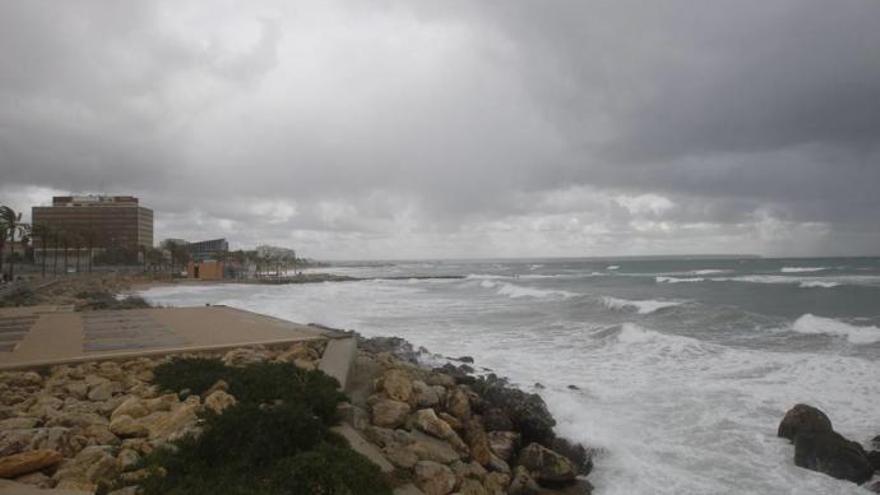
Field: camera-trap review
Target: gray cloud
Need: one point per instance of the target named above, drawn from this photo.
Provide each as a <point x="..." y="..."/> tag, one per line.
<point x="383" y="129"/>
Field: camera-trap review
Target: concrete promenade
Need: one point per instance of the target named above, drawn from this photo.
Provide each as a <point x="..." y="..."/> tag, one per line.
<point x="47" y="335"/>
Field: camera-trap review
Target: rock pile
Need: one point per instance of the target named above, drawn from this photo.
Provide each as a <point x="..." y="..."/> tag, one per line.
<point x="819" y="448"/>
<point x="454" y="433"/>
<point x="81" y="426"/>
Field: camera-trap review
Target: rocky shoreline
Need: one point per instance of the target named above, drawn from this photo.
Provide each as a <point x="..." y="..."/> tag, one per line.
<point x="439" y="431"/>
<point x="450" y="431"/>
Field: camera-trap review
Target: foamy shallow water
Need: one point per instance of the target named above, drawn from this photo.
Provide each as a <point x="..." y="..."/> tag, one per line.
<point x="683" y="394"/>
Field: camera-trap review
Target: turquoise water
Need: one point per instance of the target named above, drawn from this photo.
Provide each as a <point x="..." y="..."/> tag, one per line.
<point x="685" y="366"/>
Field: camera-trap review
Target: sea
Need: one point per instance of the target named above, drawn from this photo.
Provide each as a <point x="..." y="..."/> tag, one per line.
<point x="676" y="371"/>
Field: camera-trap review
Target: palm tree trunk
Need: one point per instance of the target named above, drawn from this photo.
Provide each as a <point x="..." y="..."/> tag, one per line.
<point x="55" y="255"/>
<point x="43" y="242"/>
<point x="12" y="256"/>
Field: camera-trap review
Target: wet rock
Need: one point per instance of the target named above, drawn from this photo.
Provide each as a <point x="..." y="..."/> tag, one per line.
<point x="28" y="462"/>
<point x="440" y="380"/>
<point x="546" y="466"/>
<point x="523" y="483"/>
<point x="389" y="413"/>
<point x="503" y="443"/>
<point x="397" y="346"/>
<point x="874" y="459"/>
<point x="573" y="387"/>
<point x="528" y="412"/>
<point x="495" y="419"/>
<point x="803" y="418"/>
<point x="458" y="373"/>
<point x="433" y="478"/>
<point x="830" y="453"/>
<point x="581" y="457"/>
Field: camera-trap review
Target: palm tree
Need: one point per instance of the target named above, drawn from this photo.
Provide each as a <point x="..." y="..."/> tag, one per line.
<point x="14" y="225"/>
<point x="76" y="240"/>
<point x="42" y="231"/>
<point x="4" y="233"/>
<point x="56" y="236"/>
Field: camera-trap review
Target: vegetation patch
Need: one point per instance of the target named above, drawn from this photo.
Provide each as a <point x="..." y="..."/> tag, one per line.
<point x="19" y="296"/>
<point x="275" y="440"/>
<point x="95" y="300"/>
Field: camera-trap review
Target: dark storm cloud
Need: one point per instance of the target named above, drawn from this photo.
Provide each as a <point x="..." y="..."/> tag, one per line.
<point x="457" y="128"/>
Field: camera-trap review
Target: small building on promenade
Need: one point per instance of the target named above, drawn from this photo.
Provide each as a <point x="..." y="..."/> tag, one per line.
<point x="205" y="270"/>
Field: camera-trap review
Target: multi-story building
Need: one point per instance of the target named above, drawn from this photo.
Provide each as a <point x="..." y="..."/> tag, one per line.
<point x="103" y="223"/>
<point x="213" y="249"/>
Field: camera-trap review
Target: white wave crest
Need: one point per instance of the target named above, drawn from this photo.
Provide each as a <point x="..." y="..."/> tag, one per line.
<point x="818" y="284"/>
<point x="678" y="280"/>
<point x="802" y="269"/>
<point x="811" y="324"/>
<point x="709" y="271"/>
<point x="487" y="284"/>
<point x="641" y="307"/>
<point x="612" y="267"/>
<point x="516" y="291"/>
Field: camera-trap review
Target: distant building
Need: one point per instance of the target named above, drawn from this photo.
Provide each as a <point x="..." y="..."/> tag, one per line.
<point x="108" y="223"/>
<point x="205" y="270"/>
<point x="214" y="249"/>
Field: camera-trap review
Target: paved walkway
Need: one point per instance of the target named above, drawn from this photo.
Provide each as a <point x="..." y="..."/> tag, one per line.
<point x="43" y="335"/>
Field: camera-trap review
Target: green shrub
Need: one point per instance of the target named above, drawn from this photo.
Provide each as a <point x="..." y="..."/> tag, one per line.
<point x="100" y="299"/>
<point x="194" y="374"/>
<point x="275" y="441"/>
<point x="257" y="383"/>
<point x="329" y="470"/>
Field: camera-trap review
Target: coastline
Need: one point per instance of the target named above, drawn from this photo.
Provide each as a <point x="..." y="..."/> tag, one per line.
<point x="439" y="429"/>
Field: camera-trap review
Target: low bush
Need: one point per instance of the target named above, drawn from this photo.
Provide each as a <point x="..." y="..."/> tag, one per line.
<point x="276" y="440"/>
<point x="97" y="299"/>
<point x="256" y="383"/>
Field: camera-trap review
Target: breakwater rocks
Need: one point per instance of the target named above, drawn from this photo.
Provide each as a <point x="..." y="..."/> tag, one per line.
<point x="819" y="448"/>
<point x="448" y="431"/>
<point x="88" y="426"/>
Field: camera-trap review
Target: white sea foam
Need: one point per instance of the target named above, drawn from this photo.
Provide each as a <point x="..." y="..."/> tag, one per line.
<point x="678" y="280"/>
<point x="641" y="306"/>
<point x="811" y="324"/>
<point x="671" y="414"/>
<point x="487" y="284"/>
<point x="818" y="284"/>
<point x="709" y="271"/>
<point x="612" y="267"/>
<point x="802" y="269"/>
<point x="516" y="291"/>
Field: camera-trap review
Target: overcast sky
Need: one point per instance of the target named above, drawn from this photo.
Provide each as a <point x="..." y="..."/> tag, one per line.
<point x="406" y="129"/>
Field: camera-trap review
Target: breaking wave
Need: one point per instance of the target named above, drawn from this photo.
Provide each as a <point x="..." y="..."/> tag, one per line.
<point x="811" y="324"/>
<point x="641" y="307"/>
<point x="802" y="269"/>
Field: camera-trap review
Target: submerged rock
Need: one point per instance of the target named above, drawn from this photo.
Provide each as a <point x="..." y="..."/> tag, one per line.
<point x="546" y="466"/>
<point x="803" y="418"/>
<point x="819" y="448"/>
<point x="830" y="453"/>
